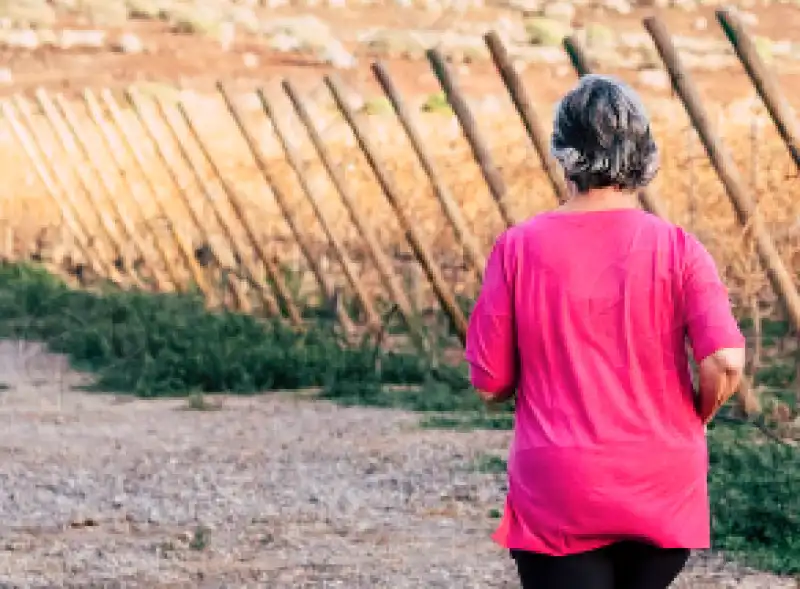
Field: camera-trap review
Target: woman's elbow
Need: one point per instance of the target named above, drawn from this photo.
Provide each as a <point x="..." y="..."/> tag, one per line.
<point x="492" y="388"/>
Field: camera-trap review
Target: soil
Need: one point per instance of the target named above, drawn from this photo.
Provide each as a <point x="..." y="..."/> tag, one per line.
<point x="198" y="62"/>
<point x="276" y="491"/>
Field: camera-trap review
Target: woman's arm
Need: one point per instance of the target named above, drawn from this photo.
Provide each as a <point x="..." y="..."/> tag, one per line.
<point x="717" y="343"/>
<point x="491" y="340"/>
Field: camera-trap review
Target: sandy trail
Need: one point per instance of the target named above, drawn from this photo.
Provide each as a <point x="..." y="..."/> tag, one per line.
<point x="269" y="491"/>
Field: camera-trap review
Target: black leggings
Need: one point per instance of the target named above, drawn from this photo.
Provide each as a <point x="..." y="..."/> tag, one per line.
<point x="624" y="565"/>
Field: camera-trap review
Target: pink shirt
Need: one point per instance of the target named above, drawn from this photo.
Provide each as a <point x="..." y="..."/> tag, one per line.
<point x="586" y="315"/>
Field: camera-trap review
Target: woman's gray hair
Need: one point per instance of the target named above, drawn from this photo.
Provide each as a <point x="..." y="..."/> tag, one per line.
<point x="601" y="136"/>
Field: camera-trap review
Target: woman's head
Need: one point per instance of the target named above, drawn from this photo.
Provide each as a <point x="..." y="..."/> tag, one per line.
<point x="601" y="136"/>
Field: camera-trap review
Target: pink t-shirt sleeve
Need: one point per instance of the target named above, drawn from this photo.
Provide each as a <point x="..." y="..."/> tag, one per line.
<point x="709" y="320"/>
<point x="491" y="341"/>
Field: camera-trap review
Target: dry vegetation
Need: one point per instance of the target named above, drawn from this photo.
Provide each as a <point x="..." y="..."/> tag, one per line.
<point x="687" y="184"/>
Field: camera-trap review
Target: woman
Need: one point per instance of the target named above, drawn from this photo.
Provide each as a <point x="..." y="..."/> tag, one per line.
<point x="584" y="314"/>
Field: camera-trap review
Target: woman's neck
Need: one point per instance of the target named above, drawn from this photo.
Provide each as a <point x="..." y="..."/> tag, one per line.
<point x="601" y="199"/>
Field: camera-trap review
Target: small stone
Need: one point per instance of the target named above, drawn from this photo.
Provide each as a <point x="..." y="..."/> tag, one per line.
<point x="655" y="79"/>
<point x="92" y="39"/>
<point x="284" y="43"/>
<point x="129" y="43"/>
<point x="185" y="536"/>
<point x="21" y="39"/>
<point x="47" y="38"/>
<point x="80" y="521"/>
<point x="226" y="35"/>
<point x="336" y="55"/>
<point x="246" y="18"/>
<point x="462" y="492"/>
<point x="250" y="60"/>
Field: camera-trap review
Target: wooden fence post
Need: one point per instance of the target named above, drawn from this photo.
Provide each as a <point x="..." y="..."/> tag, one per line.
<point x="522" y="102"/>
<point x="107" y="223"/>
<point x="115" y="149"/>
<point x="327" y="288"/>
<point x="273" y="272"/>
<point x="185" y="248"/>
<point x="382" y="264"/>
<point x="577" y="56"/>
<point x="237" y="248"/>
<point x="764" y="81"/>
<point x="472" y="251"/>
<point x="55" y="189"/>
<point x="372" y="318"/>
<point x="469" y="126"/>
<point x="743" y="203"/>
<point x="424" y="257"/>
<point x="74" y="127"/>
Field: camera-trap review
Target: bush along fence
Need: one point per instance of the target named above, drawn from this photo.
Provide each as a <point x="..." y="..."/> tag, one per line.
<point x="255" y="282"/>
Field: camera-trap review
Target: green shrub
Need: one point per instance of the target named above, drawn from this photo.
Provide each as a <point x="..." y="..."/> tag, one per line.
<point x="546" y="31"/>
<point x="437" y="103"/>
<point x="169" y="345"/>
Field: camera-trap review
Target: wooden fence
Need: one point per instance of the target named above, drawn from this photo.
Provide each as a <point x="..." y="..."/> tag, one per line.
<point x="101" y="181"/>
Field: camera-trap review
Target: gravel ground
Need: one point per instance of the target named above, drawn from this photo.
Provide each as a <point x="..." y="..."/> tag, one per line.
<point x="270" y="491"/>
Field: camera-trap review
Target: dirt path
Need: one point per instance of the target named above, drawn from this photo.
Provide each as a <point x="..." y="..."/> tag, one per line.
<point x="270" y="491"/>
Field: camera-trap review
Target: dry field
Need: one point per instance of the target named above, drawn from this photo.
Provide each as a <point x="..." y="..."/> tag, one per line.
<point x="687" y="184"/>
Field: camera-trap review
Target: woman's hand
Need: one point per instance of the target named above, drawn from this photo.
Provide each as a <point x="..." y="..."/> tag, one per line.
<point x="492" y="399"/>
<point x="719" y="376"/>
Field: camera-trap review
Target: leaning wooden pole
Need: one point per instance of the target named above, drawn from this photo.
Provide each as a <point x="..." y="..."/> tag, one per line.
<point x="472" y="251"/>
<point x="524" y="105"/>
<point x="764" y="81"/>
<point x="69" y="147"/>
<point x="580" y="62"/>
<point x="364" y="227"/>
<point x="54" y="188"/>
<point x="164" y="118"/>
<point x="469" y="126"/>
<point x="133" y="143"/>
<point x="446" y="298"/>
<point x="577" y="56"/>
<point x="371" y="315"/>
<point x="75" y="127"/>
<point x="115" y="149"/>
<point x="743" y="202"/>
<point x="326" y="286"/>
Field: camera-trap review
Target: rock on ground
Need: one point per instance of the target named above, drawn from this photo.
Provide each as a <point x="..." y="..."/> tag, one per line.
<point x="271" y="491"/>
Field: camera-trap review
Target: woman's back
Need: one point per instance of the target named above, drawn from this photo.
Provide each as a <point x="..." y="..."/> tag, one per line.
<point x="598" y="313"/>
<point x="595" y="308"/>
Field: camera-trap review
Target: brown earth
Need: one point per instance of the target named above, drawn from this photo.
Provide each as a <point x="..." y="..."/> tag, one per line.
<point x="269" y="491"/>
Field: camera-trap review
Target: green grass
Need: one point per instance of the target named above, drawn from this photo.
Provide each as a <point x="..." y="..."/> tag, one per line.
<point x="169" y="345"/>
